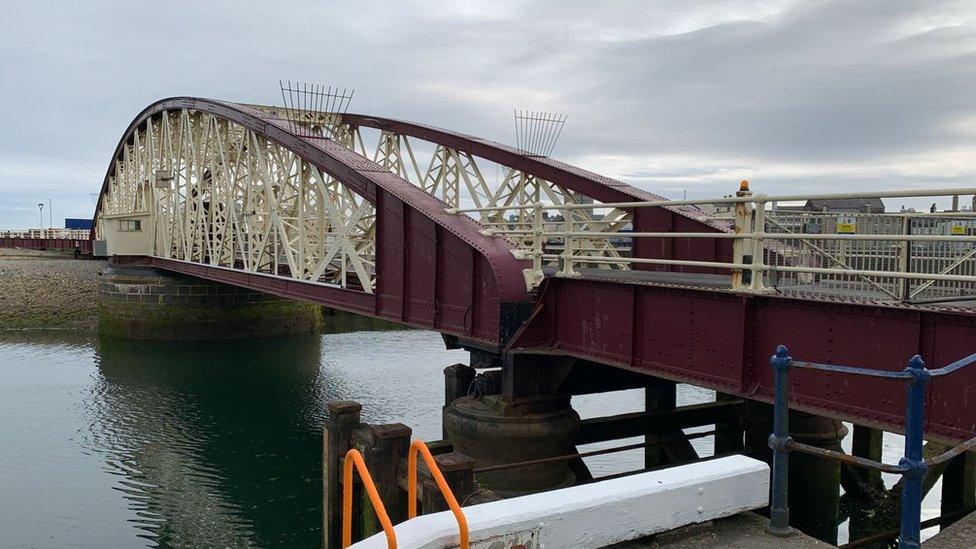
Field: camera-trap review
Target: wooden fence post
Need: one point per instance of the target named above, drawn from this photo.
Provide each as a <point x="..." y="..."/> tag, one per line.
<point x="660" y="395"/>
<point x="728" y="434"/>
<point x="458" y="471"/>
<point x="384" y="449"/>
<point x="959" y="486"/>
<point x="457" y="379"/>
<point x="343" y="418"/>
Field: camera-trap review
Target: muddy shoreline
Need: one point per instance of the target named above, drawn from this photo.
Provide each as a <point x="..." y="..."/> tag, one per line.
<point x="54" y="291"/>
<point x="48" y="291"/>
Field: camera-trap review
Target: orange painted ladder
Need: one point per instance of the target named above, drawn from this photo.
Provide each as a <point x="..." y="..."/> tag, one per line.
<point x="419" y="446"/>
<point x="355" y="459"/>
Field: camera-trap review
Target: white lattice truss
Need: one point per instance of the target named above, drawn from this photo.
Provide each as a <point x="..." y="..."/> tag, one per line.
<point x="454" y="177"/>
<point x="221" y="195"/>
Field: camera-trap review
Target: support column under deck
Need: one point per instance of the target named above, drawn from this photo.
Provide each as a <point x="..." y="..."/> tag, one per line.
<point x="959" y="487"/>
<point x="661" y="396"/>
<point x="814" y="494"/>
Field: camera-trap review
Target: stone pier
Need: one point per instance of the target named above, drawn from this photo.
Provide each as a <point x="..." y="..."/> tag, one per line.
<point x="138" y="302"/>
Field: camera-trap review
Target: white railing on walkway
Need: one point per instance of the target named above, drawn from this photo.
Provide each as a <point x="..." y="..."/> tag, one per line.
<point x="903" y="256"/>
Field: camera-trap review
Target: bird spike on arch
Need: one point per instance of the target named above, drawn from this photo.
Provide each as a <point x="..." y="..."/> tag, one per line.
<point x="314" y="110"/>
<point x="536" y="132"/>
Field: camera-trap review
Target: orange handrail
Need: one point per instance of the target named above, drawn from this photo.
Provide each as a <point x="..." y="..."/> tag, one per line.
<point x="353" y="457"/>
<point x="419" y="446"/>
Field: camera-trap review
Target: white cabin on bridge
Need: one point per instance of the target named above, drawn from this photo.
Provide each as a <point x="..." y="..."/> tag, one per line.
<point x="126" y="234"/>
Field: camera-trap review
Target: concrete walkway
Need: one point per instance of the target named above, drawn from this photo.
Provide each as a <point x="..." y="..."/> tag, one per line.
<point x="742" y="531"/>
<point x="601" y="513"/>
<point x="961" y="535"/>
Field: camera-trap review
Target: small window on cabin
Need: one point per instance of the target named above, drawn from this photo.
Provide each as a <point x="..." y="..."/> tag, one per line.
<point x="130" y="225"/>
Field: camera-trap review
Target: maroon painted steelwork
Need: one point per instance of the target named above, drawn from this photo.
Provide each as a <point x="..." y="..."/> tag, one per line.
<point x="723" y="340"/>
<point x="419" y="247"/>
<point x="598" y="187"/>
<point x="63" y="244"/>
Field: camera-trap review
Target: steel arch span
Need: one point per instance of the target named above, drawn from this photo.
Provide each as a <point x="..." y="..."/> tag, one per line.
<point x="226" y="192"/>
<point x="241" y="194"/>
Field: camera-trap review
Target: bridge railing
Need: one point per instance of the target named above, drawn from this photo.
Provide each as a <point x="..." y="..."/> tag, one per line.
<point x="56" y="233"/>
<point x="79" y="246"/>
<point x="912" y="466"/>
<point x="948" y="254"/>
<point x="900" y="256"/>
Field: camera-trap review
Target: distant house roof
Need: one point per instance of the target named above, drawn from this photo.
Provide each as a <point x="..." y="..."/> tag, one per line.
<point x="869" y="205"/>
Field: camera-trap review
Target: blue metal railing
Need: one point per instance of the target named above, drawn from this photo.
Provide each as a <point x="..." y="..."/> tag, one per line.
<point x="912" y="467"/>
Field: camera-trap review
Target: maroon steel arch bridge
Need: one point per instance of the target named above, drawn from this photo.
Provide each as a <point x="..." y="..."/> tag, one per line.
<point x="247" y="196"/>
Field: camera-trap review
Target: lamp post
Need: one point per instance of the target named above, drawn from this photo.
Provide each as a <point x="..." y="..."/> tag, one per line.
<point x="50" y="212"/>
<point x="40" y="207"/>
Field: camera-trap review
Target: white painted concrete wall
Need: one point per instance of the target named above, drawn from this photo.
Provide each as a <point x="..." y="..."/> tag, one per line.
<point x="598" y="514"/>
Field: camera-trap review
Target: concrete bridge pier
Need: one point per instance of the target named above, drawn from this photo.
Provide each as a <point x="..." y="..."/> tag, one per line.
<point x="495" y="431"/>
<point x="506" y="421"/>
<point x="522" y="412"/>
<point x="141" y="302"/>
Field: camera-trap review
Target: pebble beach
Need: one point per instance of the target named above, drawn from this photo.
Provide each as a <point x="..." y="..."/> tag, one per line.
<point x="47" y="291"/>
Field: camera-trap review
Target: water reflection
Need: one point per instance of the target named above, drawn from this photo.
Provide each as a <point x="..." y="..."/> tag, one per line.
<point x="191" y="444"/>
<point x="215" y="443"/>
<point x="218" y="443"/>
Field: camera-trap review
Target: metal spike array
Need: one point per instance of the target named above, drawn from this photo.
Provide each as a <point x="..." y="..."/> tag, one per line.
<point x="536" y="132"/>
<point x="314" y="110"/>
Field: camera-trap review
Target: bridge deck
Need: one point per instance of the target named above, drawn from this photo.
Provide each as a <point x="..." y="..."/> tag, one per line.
<point x="710" y="281"/>
<point x="692" y="328"/>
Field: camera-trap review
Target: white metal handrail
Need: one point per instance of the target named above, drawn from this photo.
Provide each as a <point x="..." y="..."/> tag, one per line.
<point x="747" y="199"/>
<point x="886" y="260"/>
<point x="749" y="235"/>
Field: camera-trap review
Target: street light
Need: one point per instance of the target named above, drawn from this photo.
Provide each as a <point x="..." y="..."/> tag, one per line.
<point x="40" y="206"/>
<point x="50" y="212"/>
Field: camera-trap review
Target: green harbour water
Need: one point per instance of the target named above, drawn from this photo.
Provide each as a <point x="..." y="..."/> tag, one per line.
<point x="114" y="443"/>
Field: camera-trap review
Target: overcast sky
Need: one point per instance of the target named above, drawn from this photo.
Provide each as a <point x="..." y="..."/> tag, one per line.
<point x="671" y="96"/>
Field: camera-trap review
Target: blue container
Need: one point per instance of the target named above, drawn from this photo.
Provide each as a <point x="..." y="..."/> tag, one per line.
<point x="72" y="223"/>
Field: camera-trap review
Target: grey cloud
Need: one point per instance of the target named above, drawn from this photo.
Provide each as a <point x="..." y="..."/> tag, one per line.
<point x="656" y="92"/>
<point x="822" y="84"/>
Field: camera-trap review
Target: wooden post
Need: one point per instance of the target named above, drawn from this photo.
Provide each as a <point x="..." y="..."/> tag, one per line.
<point x="458" y="471"/>
<point x="959" y="486"/>
<point x="343" y="418"/>
<point x="384" y="448"/>
<point x="457" y="379"/>
<point x="728" y="434"/>
<point x="868" y="443"/>
<point x="660" y="396"/>
<point x="862" y="485"/>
